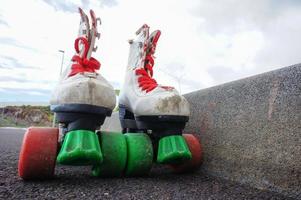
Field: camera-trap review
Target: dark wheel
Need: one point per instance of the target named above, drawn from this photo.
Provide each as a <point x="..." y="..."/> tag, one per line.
<point x="140" y="154"/>
<point x="38" y="153"/>
<point x="196" y="150"/>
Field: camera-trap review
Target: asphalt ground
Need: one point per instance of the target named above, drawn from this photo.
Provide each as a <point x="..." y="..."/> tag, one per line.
<point x="77" y="183"/>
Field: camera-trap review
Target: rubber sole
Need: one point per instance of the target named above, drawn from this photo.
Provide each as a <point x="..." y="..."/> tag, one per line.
<point x="161" y="125"/>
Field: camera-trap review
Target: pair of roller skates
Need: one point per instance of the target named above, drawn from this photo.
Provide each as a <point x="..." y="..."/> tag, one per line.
<point x="152" y="117"/>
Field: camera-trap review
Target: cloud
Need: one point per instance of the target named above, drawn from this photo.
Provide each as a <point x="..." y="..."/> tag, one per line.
<point x="14" y="42"/>
<point x="21" y="79"/>
<point x="203" y="43"/>
<point x="109" y="3"/>
<point x="11" y="62"/>
<point x="2" y="22"/>
<point x="31" y="91"/>
<point x="176" y="70"/>
<point x="7" y="78"/>
<point x="115" y="84"/>
<point x="222" y="74"/>
<point x="178" y="77"/>
<point x="62" y="5"/>
<point x="249" y="37"/>
<point x="24" y="95"/>
<point x="231" y="16"/>
<point x="282" y="41"/>
<point x="69" y="6"/>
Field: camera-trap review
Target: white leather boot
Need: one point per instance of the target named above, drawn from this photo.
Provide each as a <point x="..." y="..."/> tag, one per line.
<point x="146" y="106"/>
<point x="81" y="84"/>
<point x="82" y="99"/>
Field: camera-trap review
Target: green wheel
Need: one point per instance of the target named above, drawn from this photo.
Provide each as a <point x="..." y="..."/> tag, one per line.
<point x="140" y="154"/>
<point x="114" y="149"/>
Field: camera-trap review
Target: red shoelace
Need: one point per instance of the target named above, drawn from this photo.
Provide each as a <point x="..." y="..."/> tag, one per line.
<point x="146" y="82"/>
<point x="82" y="64"/>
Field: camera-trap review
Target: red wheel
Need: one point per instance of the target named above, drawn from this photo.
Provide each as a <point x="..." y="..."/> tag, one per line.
<point x="38" y="153"/>
<point x="196" y="150"/>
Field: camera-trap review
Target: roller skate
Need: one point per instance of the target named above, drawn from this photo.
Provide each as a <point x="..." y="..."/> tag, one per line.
<point x="82" y="100"/>
<point x="159" y="112"/>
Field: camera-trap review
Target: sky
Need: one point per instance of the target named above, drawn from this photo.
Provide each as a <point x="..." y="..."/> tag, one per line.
<point x="203" y="42"/>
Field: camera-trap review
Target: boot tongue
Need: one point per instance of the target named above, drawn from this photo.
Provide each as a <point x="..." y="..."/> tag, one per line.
<point x="149" y="64"/>
<point x="151" y="48"/>
<point x="148" y="72"/>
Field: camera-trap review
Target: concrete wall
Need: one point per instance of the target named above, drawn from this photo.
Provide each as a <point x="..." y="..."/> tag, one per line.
<point x="250" y="130"/>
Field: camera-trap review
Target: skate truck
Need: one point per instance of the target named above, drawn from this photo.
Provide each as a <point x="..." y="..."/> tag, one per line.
<point x="152" y="117"/>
